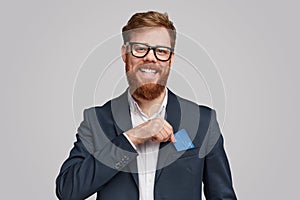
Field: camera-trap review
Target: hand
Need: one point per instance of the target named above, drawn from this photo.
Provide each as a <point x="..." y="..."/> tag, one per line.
<point x="157" y="130"/>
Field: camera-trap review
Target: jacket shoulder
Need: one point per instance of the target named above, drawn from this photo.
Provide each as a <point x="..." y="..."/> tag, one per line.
<point x="202" y="108"/>
<point x="105" y="108"/>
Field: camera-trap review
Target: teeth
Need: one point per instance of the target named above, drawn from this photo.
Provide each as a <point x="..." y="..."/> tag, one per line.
<point x="148" y="70"/>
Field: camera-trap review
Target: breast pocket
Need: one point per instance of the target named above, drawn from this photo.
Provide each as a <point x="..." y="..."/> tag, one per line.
<point x="190" y="153"/>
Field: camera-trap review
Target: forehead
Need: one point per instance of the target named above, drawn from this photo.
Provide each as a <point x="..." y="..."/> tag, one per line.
<point x="152" y="36"/>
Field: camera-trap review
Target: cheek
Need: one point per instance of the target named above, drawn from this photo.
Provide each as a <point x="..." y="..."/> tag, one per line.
<point x="166" y="67"/>
<point x="132" y="63"/>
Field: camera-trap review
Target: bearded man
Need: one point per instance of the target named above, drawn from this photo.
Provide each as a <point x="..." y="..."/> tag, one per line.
<point x="148" y="143"/>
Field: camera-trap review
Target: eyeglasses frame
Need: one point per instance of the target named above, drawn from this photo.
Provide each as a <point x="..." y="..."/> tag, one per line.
<point x="149" y="48"/>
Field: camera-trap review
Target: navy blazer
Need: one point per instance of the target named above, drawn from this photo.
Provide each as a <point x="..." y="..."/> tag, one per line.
<point x="102" y="160"/>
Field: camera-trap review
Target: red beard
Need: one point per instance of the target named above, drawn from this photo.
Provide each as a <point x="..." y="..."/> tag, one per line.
<point x="149" y="91"/>
<point x="146" y="91"/>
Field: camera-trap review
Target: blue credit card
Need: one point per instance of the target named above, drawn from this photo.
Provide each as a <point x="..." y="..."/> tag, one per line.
<point x="183" y="141"/>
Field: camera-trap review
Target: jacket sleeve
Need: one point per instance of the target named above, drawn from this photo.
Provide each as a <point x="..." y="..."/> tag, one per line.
<point x="86" y="171"/>
<point x="217" y="176"/>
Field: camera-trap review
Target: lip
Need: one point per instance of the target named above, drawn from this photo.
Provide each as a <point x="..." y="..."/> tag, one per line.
<point x="147" y="70"/>
<point x="147" y="73"/>
<point x="150" y="67"/>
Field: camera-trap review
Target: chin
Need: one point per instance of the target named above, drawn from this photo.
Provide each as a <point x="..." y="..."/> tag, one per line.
<point x="148" y="91"/>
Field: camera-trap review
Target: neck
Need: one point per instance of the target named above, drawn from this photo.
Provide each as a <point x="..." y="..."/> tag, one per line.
<point x="149" y="107"/>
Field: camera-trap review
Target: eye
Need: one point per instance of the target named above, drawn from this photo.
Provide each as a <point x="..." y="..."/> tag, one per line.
<point x="140" y="48"/>
<point x="162" y="51"/>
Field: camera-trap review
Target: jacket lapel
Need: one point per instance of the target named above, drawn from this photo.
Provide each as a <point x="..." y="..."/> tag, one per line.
<point x="122" y="121"/>
<point x="173" y="117"/>
<point x="121" y="113"/>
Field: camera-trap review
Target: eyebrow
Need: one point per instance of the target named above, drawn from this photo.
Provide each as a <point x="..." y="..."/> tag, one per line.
<point x="149" y="44"/>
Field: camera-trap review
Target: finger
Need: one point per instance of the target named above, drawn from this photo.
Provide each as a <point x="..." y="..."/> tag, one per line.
<point x="172" y="138"/>
<point x="162" y="136"/>
<point x="164" y="133"/>
<point x="168" y="130"/>
<point x="154" y="139"/>
<point x="157" y="138"/>
<point x="168" y="135"/>
<point x="168" y="126"/>
<point x="156" y="125"/>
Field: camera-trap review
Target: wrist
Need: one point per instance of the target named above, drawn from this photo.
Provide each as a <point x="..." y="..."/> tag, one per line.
<point x="133" y="138"/>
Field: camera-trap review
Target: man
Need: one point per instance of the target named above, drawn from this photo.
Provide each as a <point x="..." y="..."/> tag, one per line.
<point x="127" y="149"/>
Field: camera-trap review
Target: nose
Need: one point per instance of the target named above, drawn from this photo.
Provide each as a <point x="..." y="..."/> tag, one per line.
<point x="150" y="57"/>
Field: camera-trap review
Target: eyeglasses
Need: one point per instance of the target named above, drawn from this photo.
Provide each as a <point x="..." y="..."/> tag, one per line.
<point x="140" y="50"/>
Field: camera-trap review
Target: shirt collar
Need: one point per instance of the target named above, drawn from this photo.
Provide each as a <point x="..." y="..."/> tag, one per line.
<point x="134" y="106"/>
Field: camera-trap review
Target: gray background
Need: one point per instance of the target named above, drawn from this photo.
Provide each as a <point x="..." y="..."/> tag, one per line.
<point x="255" y="45"/>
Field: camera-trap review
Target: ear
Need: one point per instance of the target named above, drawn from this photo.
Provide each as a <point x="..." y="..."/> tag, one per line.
<point x="171" y="59"/>
<point x="123" y="51"/>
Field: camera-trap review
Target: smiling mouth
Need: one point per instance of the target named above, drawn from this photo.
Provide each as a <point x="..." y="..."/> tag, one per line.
<point x="147" y="70"/>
